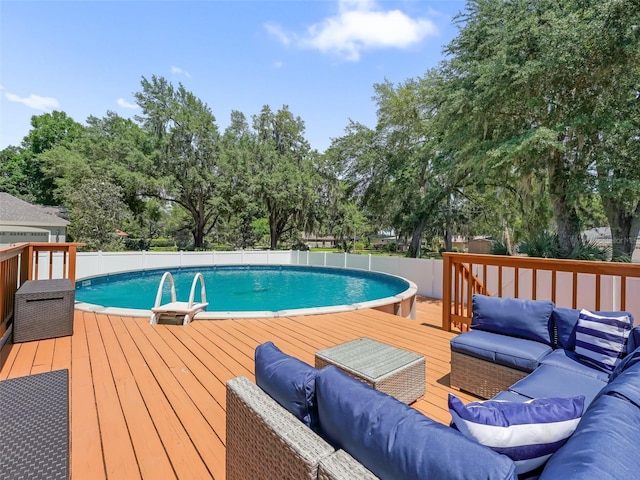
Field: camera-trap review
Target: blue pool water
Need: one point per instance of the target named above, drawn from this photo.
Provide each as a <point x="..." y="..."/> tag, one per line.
<point x="244" y="288"/>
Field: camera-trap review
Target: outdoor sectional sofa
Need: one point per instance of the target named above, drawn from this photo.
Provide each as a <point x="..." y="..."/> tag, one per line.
<point x="297" y="422"/>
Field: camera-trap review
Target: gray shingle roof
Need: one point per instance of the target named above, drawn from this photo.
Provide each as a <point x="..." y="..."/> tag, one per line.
<point x="14" y="211"/>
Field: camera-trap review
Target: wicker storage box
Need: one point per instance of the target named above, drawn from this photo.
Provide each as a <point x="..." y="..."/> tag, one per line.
<point x="43" y="309"/>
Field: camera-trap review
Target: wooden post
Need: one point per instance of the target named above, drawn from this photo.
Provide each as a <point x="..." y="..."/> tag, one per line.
<point x="446" y="292"/>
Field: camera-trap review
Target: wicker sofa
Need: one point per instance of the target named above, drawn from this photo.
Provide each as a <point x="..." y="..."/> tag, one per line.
<point x="339" y="429"/>
<point x="526" y="347"/>
<point x="519" y="350"/>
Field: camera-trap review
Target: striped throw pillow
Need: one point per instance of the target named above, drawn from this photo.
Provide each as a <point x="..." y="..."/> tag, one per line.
<point x="600" y="340"/>
<point x="528" y="433"/>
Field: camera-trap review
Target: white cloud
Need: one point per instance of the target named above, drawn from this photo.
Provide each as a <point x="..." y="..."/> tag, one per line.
<point x="123" y="103"/>
<point x="277" y="31"/>
<point x="278" y="64"/>
<point x="359" y="25"/>
<point x="34" y="101"/>
<point x="180" y="71"/>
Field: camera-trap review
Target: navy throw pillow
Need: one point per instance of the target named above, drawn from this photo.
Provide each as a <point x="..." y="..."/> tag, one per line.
<point x="566" y="323"/>
<point x="289" y="381"/>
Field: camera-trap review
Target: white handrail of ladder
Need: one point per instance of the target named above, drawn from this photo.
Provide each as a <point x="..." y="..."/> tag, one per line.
<point x="203" y="293"/>
<point x="161" y="287"/>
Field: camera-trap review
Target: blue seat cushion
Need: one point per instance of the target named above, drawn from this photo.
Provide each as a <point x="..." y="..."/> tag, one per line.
<point x="518" y="353"/>
<point x="289" y="381"/>
<point x="603" y="446"/>
<point x="550" y="381"/>
<point x="395" y="441"/>
<point x="568" y="360"/>
<point x="529" y="319"/>
<point x="565" y="321"/>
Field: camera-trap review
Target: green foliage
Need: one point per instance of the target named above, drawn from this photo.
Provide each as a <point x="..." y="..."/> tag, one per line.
<point x="282" y="172"/>
<point x="498" y="247"/>
<point x="186" y="152"/>
<point x="544" y="244"/>
<point x="547" y="245"/>
<point x="48" y="130"/>
<point x="96" y="211"/>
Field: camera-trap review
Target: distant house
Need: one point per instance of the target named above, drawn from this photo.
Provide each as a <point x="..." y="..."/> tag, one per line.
<point x="22" y="222"/>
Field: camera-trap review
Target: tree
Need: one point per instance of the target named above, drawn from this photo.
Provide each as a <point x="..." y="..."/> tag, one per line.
<point x="48" y="130"/>
<point x="238" y="147"/>
<point x="96" y="211"/>
<point x="283" y="172"/>
<point x="187" y="161"/>
<point x="349" y="223"/>
<point x="529" y="79"/>
<point x="13" y="177"/>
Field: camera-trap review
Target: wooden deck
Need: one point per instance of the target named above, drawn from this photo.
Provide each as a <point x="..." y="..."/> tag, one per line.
<point x="149" y="401"/>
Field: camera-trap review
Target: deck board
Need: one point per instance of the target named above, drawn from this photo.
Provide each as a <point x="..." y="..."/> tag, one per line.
<point x="149" y="401"/>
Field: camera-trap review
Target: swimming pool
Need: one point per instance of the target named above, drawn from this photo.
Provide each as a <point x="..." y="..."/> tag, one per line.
<point x="253" y="290"/>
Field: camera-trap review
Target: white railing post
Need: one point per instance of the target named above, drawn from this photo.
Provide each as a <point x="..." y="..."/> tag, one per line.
<point x="369" y="262"/>
<point x="345" y="259"/>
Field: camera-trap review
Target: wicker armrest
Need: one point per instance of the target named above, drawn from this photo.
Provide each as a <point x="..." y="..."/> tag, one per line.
<point x="342" y="466"/>
<point x="265" y="441"/>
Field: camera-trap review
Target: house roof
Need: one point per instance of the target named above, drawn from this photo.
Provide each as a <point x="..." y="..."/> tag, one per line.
<point x="14" y="211"/>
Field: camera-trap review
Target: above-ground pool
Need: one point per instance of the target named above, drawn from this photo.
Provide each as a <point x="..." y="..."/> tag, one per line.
<point x="258" y="289"/>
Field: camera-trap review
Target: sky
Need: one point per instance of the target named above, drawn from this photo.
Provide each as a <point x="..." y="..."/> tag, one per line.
<point x="319" y="57"/>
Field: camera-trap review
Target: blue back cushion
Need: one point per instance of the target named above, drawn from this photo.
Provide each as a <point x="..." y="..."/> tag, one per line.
<point x="289" y="381"/>
<point x="530" y="319"/>
<point x="396" y="441"/>
<point x="603" y="446"/>
<point x="565" y="321"/>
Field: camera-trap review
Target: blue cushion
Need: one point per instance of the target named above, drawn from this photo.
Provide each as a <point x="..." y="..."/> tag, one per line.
<point x="633" y="341"/>
<point x="566" y="321"/>
<point x="528" y="433"/>
<point x="568" y="360"/>
<point x="530" y="319"/>
<point x="600" y="339"/>
<point x="289" y="381"/>
<point x="603" y="446"/>
<point x="626" y="383"/>
<point x="509" y="396"/>
<point x="626" y="363"/>
<point x="549" y="381"/>
<point x="512" y="352"/>
<point x="395" y="441"/>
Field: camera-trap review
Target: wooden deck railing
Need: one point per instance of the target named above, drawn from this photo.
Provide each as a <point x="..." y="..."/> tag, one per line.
<point x="568" y="283"/>
<point x="22" y="262"/>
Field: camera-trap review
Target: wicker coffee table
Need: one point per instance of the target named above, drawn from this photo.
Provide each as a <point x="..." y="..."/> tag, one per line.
<point x="391" y="370"/>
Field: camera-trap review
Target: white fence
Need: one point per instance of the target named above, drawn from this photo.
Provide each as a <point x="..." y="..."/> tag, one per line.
<point x="426" y="274"/>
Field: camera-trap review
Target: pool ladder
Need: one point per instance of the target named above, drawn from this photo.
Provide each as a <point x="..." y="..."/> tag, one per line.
<point x="177" y="309"/>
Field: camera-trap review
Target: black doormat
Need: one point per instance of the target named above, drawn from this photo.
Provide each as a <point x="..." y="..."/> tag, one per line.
<point x="34" y="426"/>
